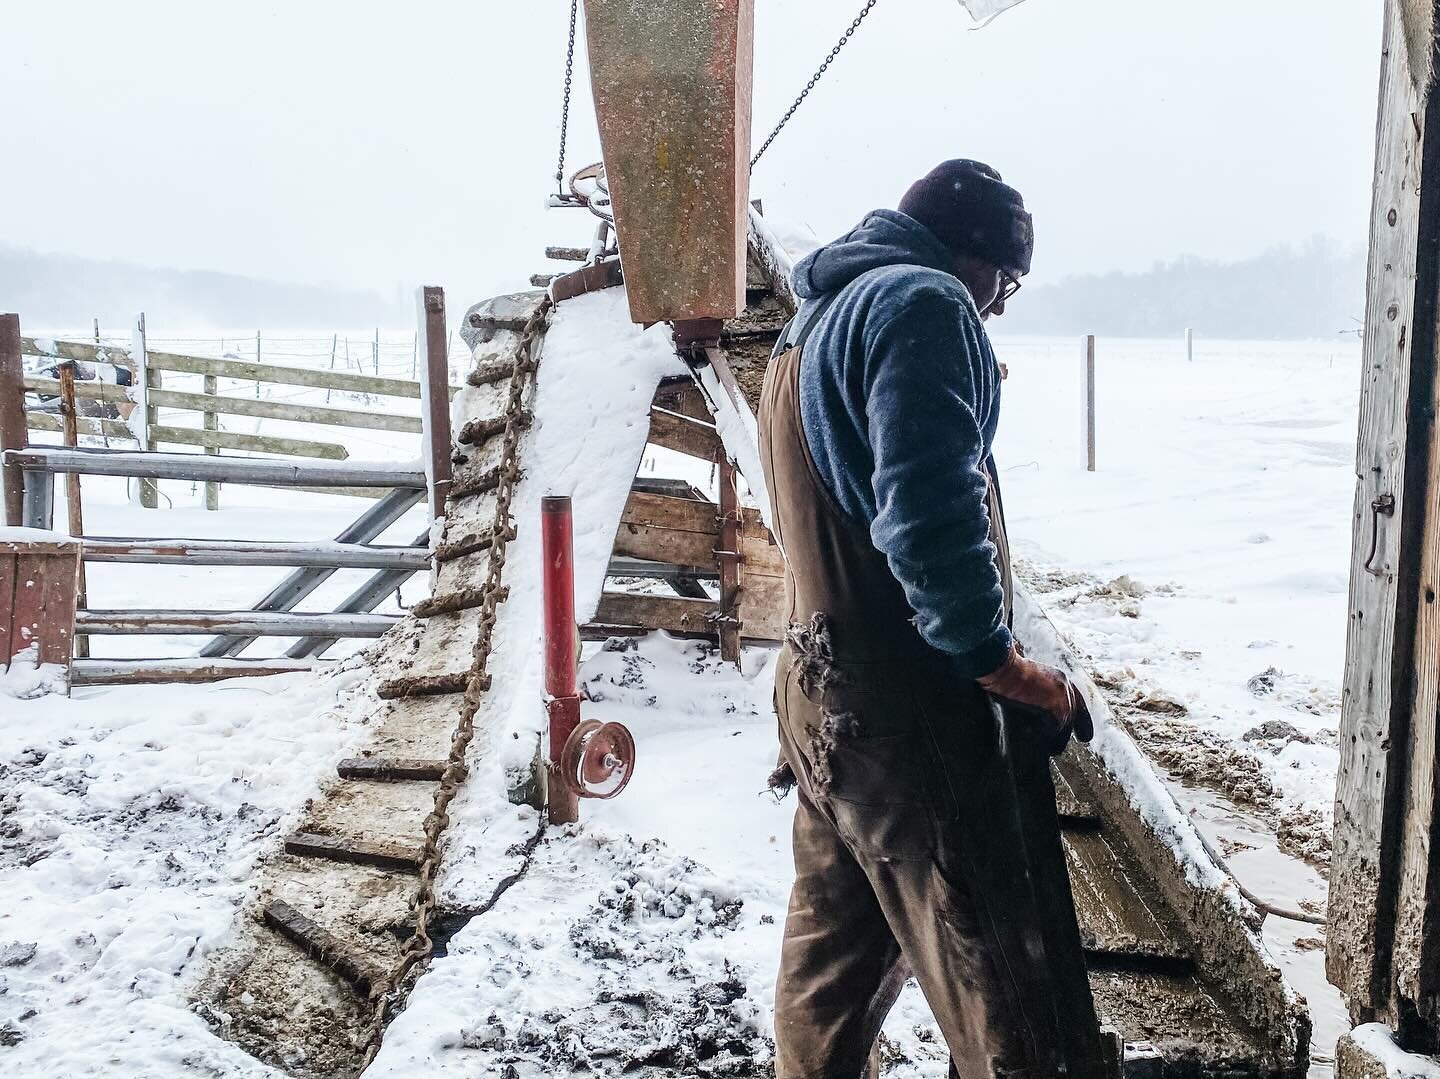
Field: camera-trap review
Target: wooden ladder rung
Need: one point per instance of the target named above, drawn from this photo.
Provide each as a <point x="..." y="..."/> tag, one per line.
<point x="463" y="599"/>
<point x="427" y="685"/>
<point x="381" y="854"/>
<point x="391" y="768"/>
<point x="476" y="432"/>
<point x="487" y="481"/>
<point x="323" y="946"/>
<point x="468" y="544"/>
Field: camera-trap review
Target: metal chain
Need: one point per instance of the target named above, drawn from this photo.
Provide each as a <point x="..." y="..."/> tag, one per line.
<point x="387" y="992"/>
<point x="844" y="40"/>
<point x="565" y="109"/>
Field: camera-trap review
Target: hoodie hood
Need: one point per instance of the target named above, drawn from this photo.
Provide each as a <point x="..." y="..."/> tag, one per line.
<point x="884" y="238"/>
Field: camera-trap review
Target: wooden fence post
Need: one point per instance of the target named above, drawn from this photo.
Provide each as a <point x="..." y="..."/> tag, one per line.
<point x="212" y="423"/>
<point x="75" y="517"/>
<point x="1090" y="402"/>
<point x="434" y="395"/>
<point x="145" y="416"/>
<point x="12" y="416"/>
<point x="728" y="556"/>
<point x="1383" y="937"/>
<point x="1189" y="345"/>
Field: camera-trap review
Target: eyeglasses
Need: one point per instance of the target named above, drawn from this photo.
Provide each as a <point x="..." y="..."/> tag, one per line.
<point x="1008" y="287"/>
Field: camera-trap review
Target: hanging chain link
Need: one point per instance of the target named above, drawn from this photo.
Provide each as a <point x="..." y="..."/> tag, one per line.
<point x="844" y="40"/>
<point x="388" y="991"/>
<point x="565" y="109"/>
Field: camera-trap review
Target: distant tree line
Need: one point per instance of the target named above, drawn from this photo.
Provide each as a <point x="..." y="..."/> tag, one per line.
<point x="1314" y="292"/>
<point x="64" y="292"/>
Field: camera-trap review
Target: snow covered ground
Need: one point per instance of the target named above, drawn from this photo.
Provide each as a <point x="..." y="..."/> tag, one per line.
<point x="1203" y="567"/>
<point x="1201" y="571"/>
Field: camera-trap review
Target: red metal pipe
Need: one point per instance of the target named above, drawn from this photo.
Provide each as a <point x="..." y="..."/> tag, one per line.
<point x="562" y="699"/>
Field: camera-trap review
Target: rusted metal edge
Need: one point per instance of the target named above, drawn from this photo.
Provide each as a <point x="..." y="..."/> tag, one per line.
<point x="391" y="768"/>
<point x="427" y="685"/>
<point x="323" y="946"/>
<point x="463" y="599"/>
<point x="593" y="278"/>
<point x="382" y="854"/>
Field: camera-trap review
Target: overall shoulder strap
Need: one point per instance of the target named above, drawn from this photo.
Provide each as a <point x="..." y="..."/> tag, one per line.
<point x="795" y="336"/>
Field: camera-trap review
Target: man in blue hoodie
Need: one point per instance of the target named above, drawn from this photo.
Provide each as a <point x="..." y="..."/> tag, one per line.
<point x="916" y="851"/>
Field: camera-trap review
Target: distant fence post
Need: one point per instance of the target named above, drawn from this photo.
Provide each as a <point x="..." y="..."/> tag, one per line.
<point x="75" y="518"/>
<point x="434" y="394"/>
<point x="1090" y="402"/>
<point x="144" y="417"/>
<point x="212" y="423"/>
<point x="1189" y="345"/>
<point x="12" y="417"/>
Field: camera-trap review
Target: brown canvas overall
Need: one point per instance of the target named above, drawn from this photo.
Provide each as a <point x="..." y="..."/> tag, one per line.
<point x="910" y="847"/>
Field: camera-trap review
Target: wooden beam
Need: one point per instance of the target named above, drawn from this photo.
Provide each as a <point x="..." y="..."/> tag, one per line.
<point x="139" y="672"/>
<point x="86" y="425"/>
<point x="728" y="556"/>
<point x="12" y="419"/>
<point x="656" y="612"/>
<point x="275" y="410"/>
<point x="197" y="467"/>
<point x="201" y="552"/>
<point x="391" y="768"/>
<point x="1383" y="937"/>
<point x="259" y="623"/>
<point x="238" y="440"/>
<point x="434" y="395"/>
<point x="382" y="854"/>
<point x="323" y="946"/>
<point x="680" y="433"/>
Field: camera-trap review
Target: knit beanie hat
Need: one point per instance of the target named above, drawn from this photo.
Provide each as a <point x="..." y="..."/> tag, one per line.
<point x="964" y="204"/>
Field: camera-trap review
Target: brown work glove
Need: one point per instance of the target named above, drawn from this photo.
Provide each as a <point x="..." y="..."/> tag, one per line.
<point x="1045" y="690"/>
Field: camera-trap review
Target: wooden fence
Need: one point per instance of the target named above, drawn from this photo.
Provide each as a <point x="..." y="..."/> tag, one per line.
<point x="148" y="395"/>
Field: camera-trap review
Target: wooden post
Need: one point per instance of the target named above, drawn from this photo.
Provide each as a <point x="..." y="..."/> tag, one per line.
<point x="334" y="340"/>
<point x="257" y="360"/>
<point x="375" y="351"/>
<point x="1383" y="937"/>
<point x="434" y="395"/>
<point x="728" y="556"/>
<point x="12" y="416"/>
<point x="1090" y="402"/>
<point x="212" y="423"/>
<point x="97" y="330"/>
<point x="37" y="601"/>
<point x="1189" y="345"/>
<point x="145" y="416"/>
<point x="75" y="518"/>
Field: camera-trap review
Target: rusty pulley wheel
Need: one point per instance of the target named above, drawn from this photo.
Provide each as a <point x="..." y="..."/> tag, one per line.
<point x="598" y="759"/>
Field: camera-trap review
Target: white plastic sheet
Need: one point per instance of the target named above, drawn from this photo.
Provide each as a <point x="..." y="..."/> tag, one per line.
<point x="982" y="11"/>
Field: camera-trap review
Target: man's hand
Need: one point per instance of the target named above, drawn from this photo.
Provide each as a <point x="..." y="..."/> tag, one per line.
<point x="1045" y="689"/>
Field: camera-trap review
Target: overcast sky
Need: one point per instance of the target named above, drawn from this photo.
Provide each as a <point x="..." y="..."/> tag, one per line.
<point x="378" y="144"/>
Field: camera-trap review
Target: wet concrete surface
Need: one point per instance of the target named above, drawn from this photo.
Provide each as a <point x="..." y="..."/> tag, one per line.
<point x="1250" y="848"/>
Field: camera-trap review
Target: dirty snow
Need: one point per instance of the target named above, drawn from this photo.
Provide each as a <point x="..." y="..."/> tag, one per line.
<point x="1376" y="1039"/>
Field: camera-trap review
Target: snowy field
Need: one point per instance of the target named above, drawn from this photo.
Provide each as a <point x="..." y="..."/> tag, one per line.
<point x="1201" y="572"/>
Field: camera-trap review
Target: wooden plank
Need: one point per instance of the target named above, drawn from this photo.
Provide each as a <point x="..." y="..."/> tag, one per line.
<point x="323" y="946"/>
<point x="680" y="394"/>
<point x="728" y="556"/>
<point x="95" y="426"/>
<point x="196" y="467"/>
<point x="656" y="612"/>
<point x="202" y="552"/>
<point x="434" y="395"/>
<point x="139" y="672"/>
<point x="665" y="511"/>
<point x="462" y="599"/>
<point x="90" y="389"/>
<point x="258" y="623"/>
<point x="762" y="554"/>
<point x="680" y="433"/>
<point x="427" y="685"/>
<point x="763" y="610"/>
<point x="382" y="854"/>
<point x="12" y="419"/>
<point x="275" y="410"/>
<point x="148" y="381"/>
<point x="213" y="440"/>
<point x="244" y="370"/>
<point x="75" y="518"/>
<point x="1381" y="629"/>
<point x="391" y="768"/>
<point x="58" y="574"/>
<point x="658" y="544"/>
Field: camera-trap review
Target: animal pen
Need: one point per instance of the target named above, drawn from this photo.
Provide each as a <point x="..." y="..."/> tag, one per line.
<point x="347" y="915"/>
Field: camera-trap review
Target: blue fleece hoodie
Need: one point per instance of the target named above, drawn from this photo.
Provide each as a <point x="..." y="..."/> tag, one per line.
<point x="899" y="400"/>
